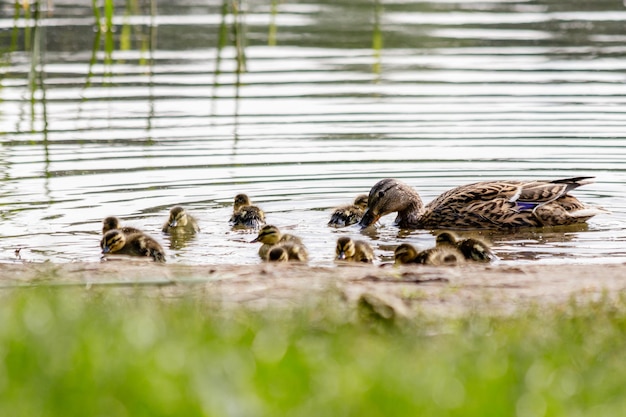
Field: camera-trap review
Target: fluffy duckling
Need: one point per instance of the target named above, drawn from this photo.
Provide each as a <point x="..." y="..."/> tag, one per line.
<point x="483" y="205"/>
<point x="287" y="251"/>
<point x="353" y="251"/>
<point x="245" y="215"/>
<point x="277" y="254"/>
<point x="270" y="236"/>
<point x="407" y="254"/>
<point x="113" y="223"/>
<point x="134" y="244"/>
<point x="180" y="221"/>
<point x="472" y="249"/>
<point x="347" y="215"/>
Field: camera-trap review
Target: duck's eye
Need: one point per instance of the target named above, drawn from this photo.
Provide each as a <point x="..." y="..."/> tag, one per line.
<point x="381" y="194"/>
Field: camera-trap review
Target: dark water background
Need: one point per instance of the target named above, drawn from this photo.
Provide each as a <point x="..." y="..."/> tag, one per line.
<point x="331" y="97"/>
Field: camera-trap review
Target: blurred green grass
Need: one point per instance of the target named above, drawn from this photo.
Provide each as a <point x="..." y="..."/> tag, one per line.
<point x="70" y="352"/>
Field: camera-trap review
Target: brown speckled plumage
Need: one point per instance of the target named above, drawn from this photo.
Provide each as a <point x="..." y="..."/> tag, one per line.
<point x="482" y="205"/>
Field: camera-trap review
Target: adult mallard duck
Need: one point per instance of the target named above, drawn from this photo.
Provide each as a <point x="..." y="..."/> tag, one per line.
<point x="112" y="223"/>
<point x="347" y="215"/>
<point x="353" y="251"/>
<point x="134" y="244"/>
<point x="482" y="205"/>
<point x="407" y="254"/>
<point x="270" y="236"/>
<point x="473" y="249"/>
<point x="245" y="215"/>
<point x="180" y="221"/>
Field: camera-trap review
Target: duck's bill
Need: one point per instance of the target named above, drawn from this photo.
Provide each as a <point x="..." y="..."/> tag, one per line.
<point x="341" y="256"/>
<point x="106" y="250"/>
<point x="368" y="219"/>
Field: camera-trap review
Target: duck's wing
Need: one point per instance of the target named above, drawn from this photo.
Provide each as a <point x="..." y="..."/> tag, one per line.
<point x="525" y="194"/>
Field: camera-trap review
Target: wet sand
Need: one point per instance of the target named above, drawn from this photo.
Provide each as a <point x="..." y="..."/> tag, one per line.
<point x="403" y="291"/>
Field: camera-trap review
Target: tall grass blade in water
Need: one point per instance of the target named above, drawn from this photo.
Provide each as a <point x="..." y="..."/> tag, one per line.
<point x="75" y="353"/>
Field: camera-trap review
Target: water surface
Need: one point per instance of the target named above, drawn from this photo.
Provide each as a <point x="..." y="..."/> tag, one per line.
<point x="435" y="93"/>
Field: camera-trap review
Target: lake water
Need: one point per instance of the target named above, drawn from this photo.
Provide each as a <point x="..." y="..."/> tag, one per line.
<point x="436" y="93"/>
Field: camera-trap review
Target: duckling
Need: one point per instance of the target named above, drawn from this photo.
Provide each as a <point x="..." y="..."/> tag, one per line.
<point x="483" y="205"/>
<point x="245" y="215"/>
<point x="472" y="249"/>
<point x="270" y="236"/>
<point x="287" y="251"/>
<point x="277" y="254"/>
<point x="180" y="221"/>
<point x="353" y="251"/>
<point x="111" y="223"/>
<point x="407" y="254"/>
<point x="134" y="244"/>
<point x="347" y="215"/>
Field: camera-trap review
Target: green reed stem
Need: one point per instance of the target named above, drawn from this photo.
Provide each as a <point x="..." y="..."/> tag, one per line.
<point x="377" y="38"/>
<point x="238" y="10"/>
<point x="271" y="37"/>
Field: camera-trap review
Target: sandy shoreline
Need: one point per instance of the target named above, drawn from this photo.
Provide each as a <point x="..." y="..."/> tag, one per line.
<point x="406" y="290"/>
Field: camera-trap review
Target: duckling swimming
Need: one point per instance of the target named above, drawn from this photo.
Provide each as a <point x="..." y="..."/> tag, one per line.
<point x="277" y="254"/>
<point x="287" y="251"/>
<point x="482" y="205"/>
<point x="134" y="244"/>
<point x="180" y="221"/>
<point x="270" y="236"/>
<point x="347" y="215"/>
<point x="472" y="249"/>
<point x="245" y="215"/>
<point x="112" y="223"/>
<point x="407" y="254"/>
<point x="353" y="251"/>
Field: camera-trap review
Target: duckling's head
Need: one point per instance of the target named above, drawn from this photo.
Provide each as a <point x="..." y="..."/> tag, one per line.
<point x="278" y="254"/>
<point x="240" y="201"/>
<point x="447" y="238"/>
<point x="110" y="223"/>
<point x="361" y="201"/>
<point x="178" y="217"/>
<point x="345" y="248"/>
<point x="388" y="196"/>
<point x="404" y="254"/>
<point x="268" y="234"/>
<point x="112" y="241"/>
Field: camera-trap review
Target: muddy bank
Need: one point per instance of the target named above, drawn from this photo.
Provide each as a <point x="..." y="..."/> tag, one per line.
<point x="407" y="290"/>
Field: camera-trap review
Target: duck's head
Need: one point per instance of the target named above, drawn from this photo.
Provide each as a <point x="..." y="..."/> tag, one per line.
<point x="345" y="248"/>
<point x="240" y="201"/>
<point x="110" y="223"/>
<point x="278" y="254"/>
<point x="447" y="238"/>
<point x="388" y="196"/>
<point x="112" y="241"/>
<point x="268" y="234"/>
<point x="178" y="217"/>
<point x="404" y="254"/>
<point x="361" y="201"/>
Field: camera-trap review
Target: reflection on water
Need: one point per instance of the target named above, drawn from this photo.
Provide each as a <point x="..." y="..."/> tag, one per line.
<point x="148" y="110"/>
